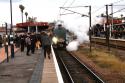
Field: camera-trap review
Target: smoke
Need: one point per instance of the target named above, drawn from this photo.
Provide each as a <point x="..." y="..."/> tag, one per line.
<point x="72" y="46"/>
<point x="80" y="27"/>
<point x="99" y="20"/>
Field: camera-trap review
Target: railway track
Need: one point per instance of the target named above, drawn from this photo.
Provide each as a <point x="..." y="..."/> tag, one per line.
<point x="114" y="43"/>
<point x="73" y="71"/>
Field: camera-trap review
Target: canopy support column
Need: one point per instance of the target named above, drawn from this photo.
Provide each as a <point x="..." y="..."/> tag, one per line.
<point x="28" y="29"/>
<point x="36" y="29"/>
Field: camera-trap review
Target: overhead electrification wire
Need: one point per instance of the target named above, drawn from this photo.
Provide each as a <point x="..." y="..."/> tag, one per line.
<point x="117" y="1"/>
<point x="62" y="6"/>
<point x="64" y="3"/>
<point x="69" y="5"/>
<point x="98" y="9"/>
<point x="75" y="6"/>
<point x="117" y="5"/>
<point x="67" y="9"/>
<point x="74" y="12"/>
<point x="117" y="11"/>
<point x="111" y="3"/>
<point x="72" y="3"/>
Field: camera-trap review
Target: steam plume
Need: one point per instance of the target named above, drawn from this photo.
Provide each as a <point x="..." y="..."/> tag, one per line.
<point x="80" y="27"/>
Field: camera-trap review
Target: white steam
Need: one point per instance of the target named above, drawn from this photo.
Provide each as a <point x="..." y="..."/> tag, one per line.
<point x="99" y="20"/>
<point x="72" y="46"/>
<point x="80" y="27"/>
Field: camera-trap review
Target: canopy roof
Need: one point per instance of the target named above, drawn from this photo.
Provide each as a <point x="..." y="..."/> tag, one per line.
<point x="26" y="24"/>
<point x="115" y="21"/>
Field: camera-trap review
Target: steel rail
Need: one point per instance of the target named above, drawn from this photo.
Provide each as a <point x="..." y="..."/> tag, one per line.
<point x="86" y="68"/>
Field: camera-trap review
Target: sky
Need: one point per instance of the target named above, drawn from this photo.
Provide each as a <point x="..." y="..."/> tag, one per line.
<point x="48" y="10"/>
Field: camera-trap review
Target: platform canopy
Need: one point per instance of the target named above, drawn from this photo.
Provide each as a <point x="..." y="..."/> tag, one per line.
<point x="26" y="24"/>
<point x="115" y="21"/>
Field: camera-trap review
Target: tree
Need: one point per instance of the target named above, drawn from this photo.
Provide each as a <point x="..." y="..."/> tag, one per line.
<point x="26" y="14"/>
<point x="22" y="8"/>
<point x="32" y="19"/>
<point x="102" y="15"/>
<point x="121" y="16"/>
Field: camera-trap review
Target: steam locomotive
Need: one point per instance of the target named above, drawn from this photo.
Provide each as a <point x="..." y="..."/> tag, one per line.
<point x="59" y="38"/>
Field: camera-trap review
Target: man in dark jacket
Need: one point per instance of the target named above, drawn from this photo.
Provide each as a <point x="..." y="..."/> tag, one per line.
<point x="46" y="44"/>
<point x="1" y="41"/>
<point x="33" y="41"/>
<point x="22" y="42"/>
<point x="28" y="44"/>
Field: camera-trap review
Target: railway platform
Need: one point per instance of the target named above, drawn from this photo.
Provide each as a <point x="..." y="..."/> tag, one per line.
<point x="49" y="72"/>
<point x="3" y="54"/>
<point x="29" y="69"/>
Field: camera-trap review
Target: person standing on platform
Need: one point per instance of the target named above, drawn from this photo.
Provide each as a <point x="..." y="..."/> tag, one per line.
<point x="38" y="44"/>
<point x="1" y="41"/>
<point x="16" y="40"/>
<point x="33" y="41"/>
<point x="22" y="42"/>
<point x="46" y="44"/>
<point x="28" y="44"/>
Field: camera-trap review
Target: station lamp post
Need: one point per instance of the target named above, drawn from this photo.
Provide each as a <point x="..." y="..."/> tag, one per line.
<point x="6" y="42"/>
<point x="11" y="35"/>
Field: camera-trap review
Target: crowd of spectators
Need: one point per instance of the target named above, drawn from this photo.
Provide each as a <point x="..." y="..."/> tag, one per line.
<point x="117" y="32"/>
